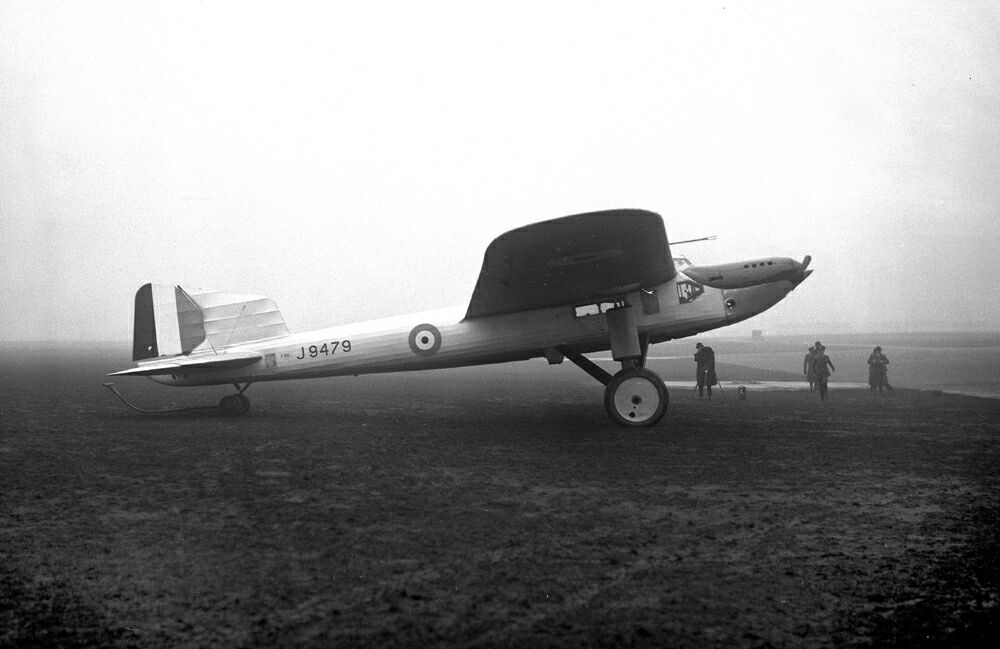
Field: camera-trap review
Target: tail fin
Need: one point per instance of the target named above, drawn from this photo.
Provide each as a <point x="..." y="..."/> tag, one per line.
<point x="171" y="321"/>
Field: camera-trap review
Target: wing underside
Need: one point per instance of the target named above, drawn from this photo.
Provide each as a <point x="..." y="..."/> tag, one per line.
<point x="570" y="260"/>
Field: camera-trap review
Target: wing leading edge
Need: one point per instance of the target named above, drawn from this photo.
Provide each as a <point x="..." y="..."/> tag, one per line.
<point x="573" y="259"/>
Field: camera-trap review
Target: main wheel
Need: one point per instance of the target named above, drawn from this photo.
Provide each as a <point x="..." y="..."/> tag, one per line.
<point x="234" y="405"/>
<point x="636" y="397"/>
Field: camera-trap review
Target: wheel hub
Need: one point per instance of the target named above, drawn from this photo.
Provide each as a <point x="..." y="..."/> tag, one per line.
<point x="636" y="399"/>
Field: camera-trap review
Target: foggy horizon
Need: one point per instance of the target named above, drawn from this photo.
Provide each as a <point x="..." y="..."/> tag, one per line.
<point x="742" y="331"/>
<point x="354" y="163"/>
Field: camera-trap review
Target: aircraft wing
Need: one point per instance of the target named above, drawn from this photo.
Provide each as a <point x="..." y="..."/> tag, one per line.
<point x="573" y="259"/>
<point x="170" y="365"/>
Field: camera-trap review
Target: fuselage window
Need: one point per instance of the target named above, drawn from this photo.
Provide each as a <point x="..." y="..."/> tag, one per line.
<point x="594" y="309"/>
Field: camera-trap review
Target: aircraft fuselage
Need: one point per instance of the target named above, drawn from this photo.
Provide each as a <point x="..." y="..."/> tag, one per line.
<point x="678" y="308"/>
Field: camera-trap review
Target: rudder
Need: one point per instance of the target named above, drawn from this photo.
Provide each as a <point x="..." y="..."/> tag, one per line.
<point x="167" y="322"/>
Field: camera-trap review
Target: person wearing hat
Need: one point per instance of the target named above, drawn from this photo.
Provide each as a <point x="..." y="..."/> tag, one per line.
<point x="878" y="371"/>
<point x="821" y="367"/>
<point x="705" y="358"/>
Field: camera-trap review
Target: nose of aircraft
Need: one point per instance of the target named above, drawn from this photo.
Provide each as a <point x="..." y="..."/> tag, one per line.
<point x="801" y="272"/>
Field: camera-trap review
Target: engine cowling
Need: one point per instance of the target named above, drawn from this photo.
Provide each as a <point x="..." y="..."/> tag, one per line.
<point x="742" y="274"/>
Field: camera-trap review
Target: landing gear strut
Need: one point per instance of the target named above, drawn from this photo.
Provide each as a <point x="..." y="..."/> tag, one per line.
<point x="634" y="397"/>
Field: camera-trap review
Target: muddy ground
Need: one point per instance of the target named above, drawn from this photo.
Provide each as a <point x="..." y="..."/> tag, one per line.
<point x="490" y="508"/>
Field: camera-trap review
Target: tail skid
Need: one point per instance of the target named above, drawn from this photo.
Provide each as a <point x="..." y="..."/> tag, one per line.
<point x="232" y="405"/>
<point x="117" y="393"/>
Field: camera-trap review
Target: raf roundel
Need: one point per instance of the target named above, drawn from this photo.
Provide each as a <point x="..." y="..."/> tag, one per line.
<point x="425" y="340"/>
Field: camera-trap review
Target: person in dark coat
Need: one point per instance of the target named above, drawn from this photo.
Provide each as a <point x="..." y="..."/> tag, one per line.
<point x="705" y="358"/>
<point x="807" y="368"/>
<point x="878" y="371"/>
<point x="821" y="367"/>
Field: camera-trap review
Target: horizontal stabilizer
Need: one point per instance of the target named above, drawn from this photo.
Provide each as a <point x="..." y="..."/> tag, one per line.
<point x="226" y="360"/>
<point x="170" y="321"/>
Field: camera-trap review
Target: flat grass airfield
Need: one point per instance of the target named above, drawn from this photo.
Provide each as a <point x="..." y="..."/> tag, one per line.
<point x="491" y="507"/>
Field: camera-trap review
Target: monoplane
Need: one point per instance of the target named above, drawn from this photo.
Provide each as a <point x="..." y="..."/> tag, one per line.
<point x="557" y="289"/>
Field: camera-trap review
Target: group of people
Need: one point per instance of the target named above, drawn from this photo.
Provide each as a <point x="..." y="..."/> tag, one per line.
<point x="817" y="367"/>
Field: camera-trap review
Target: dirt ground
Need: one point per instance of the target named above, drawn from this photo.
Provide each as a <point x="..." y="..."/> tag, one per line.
<point x="492" y="507"/>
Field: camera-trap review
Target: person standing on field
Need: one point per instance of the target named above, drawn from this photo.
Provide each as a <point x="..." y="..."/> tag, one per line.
<point x="807" y="368"/>
<point x="705" y="358"/>
<point x="878" y="371"/>
<point x="821" y="367"/>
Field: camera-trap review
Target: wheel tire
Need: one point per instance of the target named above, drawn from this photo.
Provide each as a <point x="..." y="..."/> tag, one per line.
<point x="636" y="397"/>
<point x="234" y="405"/>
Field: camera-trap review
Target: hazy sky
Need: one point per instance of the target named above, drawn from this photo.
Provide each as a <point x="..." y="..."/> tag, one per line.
<point x="353" y="160"/>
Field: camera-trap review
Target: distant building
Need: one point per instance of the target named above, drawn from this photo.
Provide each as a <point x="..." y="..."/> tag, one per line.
<point x="756" y="334"/>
